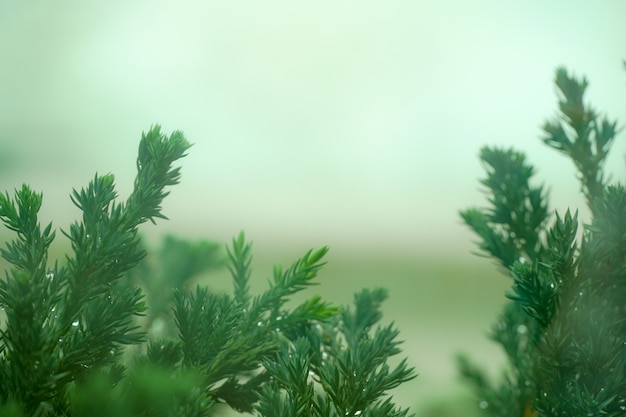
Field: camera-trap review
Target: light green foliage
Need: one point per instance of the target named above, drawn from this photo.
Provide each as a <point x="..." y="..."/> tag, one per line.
<point x="62" y="341"/>
<point x="170" y="268"/>
<point x="563" y="331"/>
<point x="581" y="135"/>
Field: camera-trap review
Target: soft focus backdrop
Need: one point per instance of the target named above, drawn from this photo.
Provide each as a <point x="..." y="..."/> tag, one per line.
<point x="354" y="124"/>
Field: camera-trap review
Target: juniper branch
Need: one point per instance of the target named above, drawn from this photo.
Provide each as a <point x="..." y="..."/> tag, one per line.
<point x="66" y="321"/>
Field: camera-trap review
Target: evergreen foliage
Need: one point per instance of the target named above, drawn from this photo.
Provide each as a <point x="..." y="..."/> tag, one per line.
<point x="564" y="329"/>
<point x="63" y="337"/>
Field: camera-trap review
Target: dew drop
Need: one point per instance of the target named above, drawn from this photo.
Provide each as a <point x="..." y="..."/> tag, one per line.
<point x="50" y="275"/>
<point x="75" y="323"/>
<point x="483" y="405"/>
<point x="522" y="329"/>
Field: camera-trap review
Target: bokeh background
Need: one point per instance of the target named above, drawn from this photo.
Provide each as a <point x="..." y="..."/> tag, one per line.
<point x="353" y="124"/>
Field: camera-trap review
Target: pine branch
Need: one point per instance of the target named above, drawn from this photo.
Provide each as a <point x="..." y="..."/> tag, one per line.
<point x="239" y="267"/>
<point x="510" y="227"/>
<point x="29" y="251"/>
<point x="345" y="361"/>
<point x="65" y="322"/>
<point x="230" y="337"/>
<point x="579" y="133"/>
<point x="564" y="332"/>
<point x="535" y="290"/>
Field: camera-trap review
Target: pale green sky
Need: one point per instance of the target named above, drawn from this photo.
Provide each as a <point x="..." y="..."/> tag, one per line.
<point x="350" y="123"/>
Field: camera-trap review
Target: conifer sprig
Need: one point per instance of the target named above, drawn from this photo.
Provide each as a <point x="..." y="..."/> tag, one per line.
<point x="157" y="152"/>
<point x="344" y="362"/>
<point x="29" y="252"/>
<point x="239" y="266"/>
<point x="67" y="321"/>
<point x="580" y="134"/>
<point x="510" y="227"/>
<point x="227" y="337"/>
<point x="563" y="332"/>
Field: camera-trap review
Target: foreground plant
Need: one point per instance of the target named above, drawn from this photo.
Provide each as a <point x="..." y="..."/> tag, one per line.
<point x="564" y="329"/>
<point x="62" y="340"/>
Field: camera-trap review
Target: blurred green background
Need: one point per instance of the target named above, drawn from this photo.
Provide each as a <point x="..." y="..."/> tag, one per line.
<point x="353" y="124"/>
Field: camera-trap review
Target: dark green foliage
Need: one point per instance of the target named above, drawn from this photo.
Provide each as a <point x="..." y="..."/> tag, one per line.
<point x="247" y="345"/>
<point x="147" y="391"/>
<point x="62" y="340"/>
<point x="62" y="323"/>
<point x="340" y="370"/>
<point x="229" y="336"/>
<point x="564" y="330"/>
<point x="510" y="227"/>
